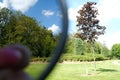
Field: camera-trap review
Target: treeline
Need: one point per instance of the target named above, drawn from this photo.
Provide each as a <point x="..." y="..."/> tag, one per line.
<point x="78" y="50"/>
<point x="80" y="47"/>
<point x="16" y="27"/>
<point x="115" y="51"/>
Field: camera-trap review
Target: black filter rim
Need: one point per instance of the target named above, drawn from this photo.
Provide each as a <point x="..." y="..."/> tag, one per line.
<point x="61" y="44"/>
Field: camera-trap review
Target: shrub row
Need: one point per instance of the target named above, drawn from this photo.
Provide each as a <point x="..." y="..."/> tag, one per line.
<point x="71" y="58"/>
<point x="38" y="59"/>
<point x="87" y="57"/>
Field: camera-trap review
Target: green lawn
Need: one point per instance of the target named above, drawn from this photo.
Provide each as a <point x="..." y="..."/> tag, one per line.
<point x="106" y="70"/>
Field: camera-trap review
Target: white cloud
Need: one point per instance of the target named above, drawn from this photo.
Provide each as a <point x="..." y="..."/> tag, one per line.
<point x="55" y="29"/>
<point x="21" y="5"/>
<point x="4" y="3"/>
<point x="72" y="13"/>
<point x="110" y="39"/>
<point x="108" y="10"/>
<point x="47" y="12"/>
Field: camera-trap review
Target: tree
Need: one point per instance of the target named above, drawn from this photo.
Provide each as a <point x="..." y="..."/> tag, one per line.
<point x="78" y="46"/>
<point x="104" y="50"/>
<point x="97" y="48"/>
<point x="21" y="29"/>
<point x="4" y="17"/>
<point x="88" y="26"/>
<point x="69" y="45"/>
<point x="5" y="14"/>
<point x="116" y="50"/>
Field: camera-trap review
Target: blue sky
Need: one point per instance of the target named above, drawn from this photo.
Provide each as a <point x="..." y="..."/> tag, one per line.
<point x="49" y="14"/>
<point x="109" y="16"/>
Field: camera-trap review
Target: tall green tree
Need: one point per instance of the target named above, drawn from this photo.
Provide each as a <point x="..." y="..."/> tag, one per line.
<point x="5" y="14"/>
<point x="69" y="46"/>
<point x="104" y="49"/>
<point x="116" y="50"/>
<point x="88" y="25"/>
<point x="22" y="29"/>
<point x="78" y="46"/>
<point x="97" y="48"/>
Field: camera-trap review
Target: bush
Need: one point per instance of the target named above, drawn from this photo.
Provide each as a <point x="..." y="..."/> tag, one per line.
<point x="86" y="57"/>
<point x="115" y="52"/>
<point x="38" y="59"/>
<point x="73" y="57"/>
<point x="100" y="58"/>
<point x="35" y="59"/>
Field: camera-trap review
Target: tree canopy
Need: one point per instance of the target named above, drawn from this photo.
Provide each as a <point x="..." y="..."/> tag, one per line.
<point x="21" y="29"/>
<point x="116" y="50"/>
<point x="88" y="25"/>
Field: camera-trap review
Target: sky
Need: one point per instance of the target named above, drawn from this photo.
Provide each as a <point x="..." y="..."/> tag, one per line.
<point x="109" y="16"/>
<point x="48" y="13"/>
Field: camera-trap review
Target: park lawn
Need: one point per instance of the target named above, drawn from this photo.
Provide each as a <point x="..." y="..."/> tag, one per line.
<point x="106" y="70"/>
<point x="35" y="69"/>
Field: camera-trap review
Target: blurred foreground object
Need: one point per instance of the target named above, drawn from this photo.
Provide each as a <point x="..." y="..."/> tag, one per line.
<point x="13" y="59"/>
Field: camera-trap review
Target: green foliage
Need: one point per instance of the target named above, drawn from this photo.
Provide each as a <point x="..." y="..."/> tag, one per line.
<point x="80" y="58"/>
<point x="97" y="48"/>
<point x="41" y="59"/>
<point x="25" y="30"/>
<point x="87" y="47"/>
<point x="105" y="51"/>
<point x="78" y="46"/>
<point x="69" y="46"/>
<point x="4" y="19"/>
<point x="5" y="14"/>
<point x="115" y="52"/>
<point x="88" y="26"/>
<point x="74" y="45"/>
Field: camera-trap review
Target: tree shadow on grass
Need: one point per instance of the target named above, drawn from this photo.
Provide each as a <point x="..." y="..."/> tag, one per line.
<point x="106" y="70"/>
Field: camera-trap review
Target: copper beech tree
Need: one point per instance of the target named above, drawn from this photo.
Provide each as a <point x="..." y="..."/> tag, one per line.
<point x="88" y="28"/>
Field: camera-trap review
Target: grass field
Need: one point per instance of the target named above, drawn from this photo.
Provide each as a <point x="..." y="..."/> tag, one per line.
<point x="106" y="70"/>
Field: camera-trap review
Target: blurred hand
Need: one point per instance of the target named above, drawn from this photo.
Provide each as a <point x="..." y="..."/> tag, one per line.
<point x="14" y="75"/>
<point x="13" y="59"/>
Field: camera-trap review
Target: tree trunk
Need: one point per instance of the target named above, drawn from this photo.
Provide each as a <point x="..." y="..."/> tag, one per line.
<point x="94" y="57"/>
<point x="87" y="72"/>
